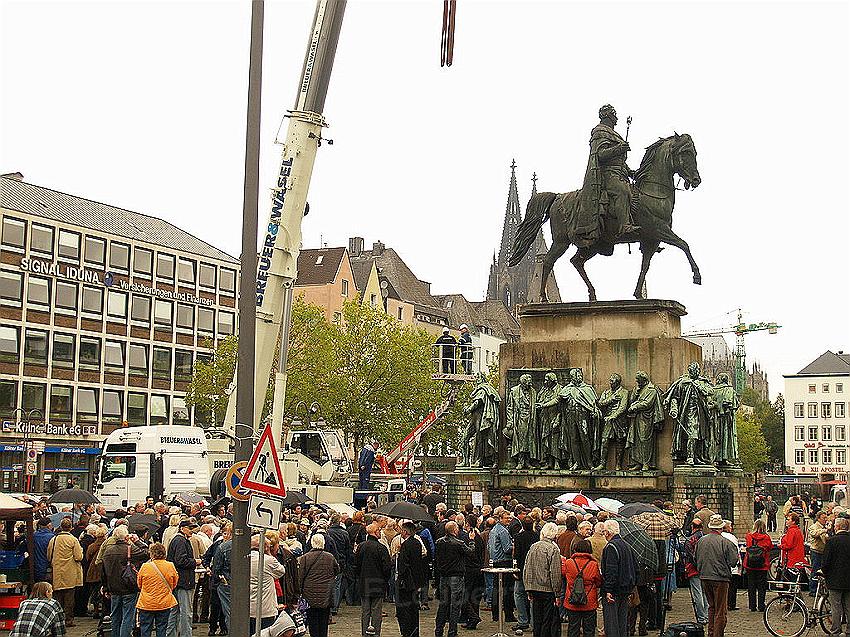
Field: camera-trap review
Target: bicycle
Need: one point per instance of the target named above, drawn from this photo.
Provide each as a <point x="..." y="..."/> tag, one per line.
<point x="786" y="615"/>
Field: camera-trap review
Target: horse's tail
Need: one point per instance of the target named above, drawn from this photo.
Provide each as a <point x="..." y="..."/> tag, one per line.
<point x="536" y="214"/>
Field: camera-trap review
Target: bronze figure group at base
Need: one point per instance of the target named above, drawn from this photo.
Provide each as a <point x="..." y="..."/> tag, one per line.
<point x="568" y="427"/>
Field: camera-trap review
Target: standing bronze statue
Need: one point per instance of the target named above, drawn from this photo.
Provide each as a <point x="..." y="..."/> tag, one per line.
<point x="613" y="404"/>
<point x="688" y="402"/>
<point x="479" y="440"/>
<point x="647" y="419"/>
<point x="725" y="404"/>
<point x="549" y="418"/>
<point x="596" y="217"/>
<point x="521" y="415"/>
<point x="580" y="419"/>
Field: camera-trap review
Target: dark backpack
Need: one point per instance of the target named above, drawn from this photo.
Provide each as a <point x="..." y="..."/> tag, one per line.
<point x="578" y="596"/>
<point x="755" y="555"/>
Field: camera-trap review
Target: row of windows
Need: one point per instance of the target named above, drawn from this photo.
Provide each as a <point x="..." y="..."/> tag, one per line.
<point x="68" y="298"/>
<point x="70" y="244"/>
<point x="90" y="353"/>
<point x="59" y="404"/>
<point x="813" y="388"/>
<point x="822" y="456"/>
<point x="825" y="432"/>
<point x="811" y="409"/>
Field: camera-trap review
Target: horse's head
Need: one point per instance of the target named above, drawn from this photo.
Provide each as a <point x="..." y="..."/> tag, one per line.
<point x="683" y="154"/>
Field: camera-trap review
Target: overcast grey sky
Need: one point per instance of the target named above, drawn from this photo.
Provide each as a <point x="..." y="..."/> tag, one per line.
<point x="142" y="105"/>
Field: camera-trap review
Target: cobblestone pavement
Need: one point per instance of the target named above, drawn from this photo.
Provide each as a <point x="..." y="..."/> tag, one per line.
<point x="742" y="623"/>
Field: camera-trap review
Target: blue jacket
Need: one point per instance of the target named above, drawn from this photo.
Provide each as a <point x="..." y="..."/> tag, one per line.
<point x="41" y="539"/>
<point x="499" y="544"/>
<point x="619" y="567"/>
<point x="366" y="460"/>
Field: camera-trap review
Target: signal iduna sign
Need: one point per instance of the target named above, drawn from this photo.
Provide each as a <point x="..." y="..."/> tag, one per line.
<point x="263" y="471"/>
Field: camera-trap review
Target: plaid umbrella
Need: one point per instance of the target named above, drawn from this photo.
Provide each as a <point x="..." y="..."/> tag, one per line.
<point x="643" y="546"/>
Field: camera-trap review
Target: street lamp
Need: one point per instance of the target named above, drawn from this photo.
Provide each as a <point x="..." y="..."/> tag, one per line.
<point x="28" y="414"/>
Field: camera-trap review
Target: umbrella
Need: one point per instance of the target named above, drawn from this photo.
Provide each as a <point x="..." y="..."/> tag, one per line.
<point x="56" y="518"/>
<point x="144" y="521"/>
<point x="404" y="511"/>
<point x="295" y="497"/>
<point x="579" y="499"/>
<point x="189" y="498"/>
<point x="73" y="496"/>
<point x="643" y="546"/>
<point x="609" y="504"/>
<point x="634" y="508"/>
<point x="569" y="506"/>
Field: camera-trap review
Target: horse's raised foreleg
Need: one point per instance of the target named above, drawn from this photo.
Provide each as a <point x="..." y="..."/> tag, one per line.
<point x="555" y="252"/>
<point x="579" y="259"/>
<point x="668" y="236"/>
<point x="647" y="250"/>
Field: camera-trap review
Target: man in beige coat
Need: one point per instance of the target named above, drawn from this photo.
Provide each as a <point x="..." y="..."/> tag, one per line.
<point x="65" y="556"/>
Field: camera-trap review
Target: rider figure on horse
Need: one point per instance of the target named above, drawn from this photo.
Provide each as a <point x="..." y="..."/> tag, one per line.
<point x="603" y="208"/>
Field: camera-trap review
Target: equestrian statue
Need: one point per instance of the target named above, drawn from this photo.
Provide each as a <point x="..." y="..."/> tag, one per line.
<point x="610" y="208"/>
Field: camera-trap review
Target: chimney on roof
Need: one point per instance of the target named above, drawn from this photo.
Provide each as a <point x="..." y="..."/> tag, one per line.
<point x="377" y="248"/>
<point x="355" y="246"/>
<point x="15" y="176"/>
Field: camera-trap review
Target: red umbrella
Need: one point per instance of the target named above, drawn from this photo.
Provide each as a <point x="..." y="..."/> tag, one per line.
<point x="579" y="499"/>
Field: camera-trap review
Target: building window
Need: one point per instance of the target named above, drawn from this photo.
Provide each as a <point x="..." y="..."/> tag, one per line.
<point x="86" y="404"/>
<point x="840" y="433"/>
<point x="182" y="365"/>
<point x="228" y="281"/>
<point x="14" y="232"/>
<point x="112" y="411"/>
<point x="66" y="296"/>
<point x="143" y="261"/>
<point x="813" y="432"/>
<point x="137" y="359"/>
<point x="34" y="396"/>
<point x="9" y="350"/>
<point x="798" y="410"/>
<point x="137" y="409"/>
<point x="826" y="410"/>
<point x="162" y="313"/>
<point x="373" y="300"/>
<point x="400" y="314"/>
<point x="226" y="323"/>
<point x="825" y="388"/>
<point x="113" y="356"/>
<point x="89" y="352"/>
<point x="11" y="287"/>
<point x="799" y="431"/>
<point x="116" y="305"/>
<point x="38" y="292"/>
<point x="813" y="456"/>
<point x="159" y="409"/>
<point x="345" y="287"/>
<point x="179" y="411"/>
<point x="206" y="275"/>
<point x="337" y="319"/>
<point x="840" y="410"/>
<point x="827" y="433"/>
<point x="41" y="240"/>
<point x="206" y="320"/>
<point x="141" y="310"/>
<point x="841" y="456"/>
<point x="69" y="245"/>
<point x="185" y="316"/>
<point x="839" y="388"/>
<point x="799" y="456"/>
<point x="827" y="456"/>
<point x="186" y="272"/>
<point x="61" y="402"/>
<point x="813" y="410"/>
<point x="95" y="251"/>
<point x="35" y="347"/>
<point x="8" y="397"/>
<point x="92" y="302"/>
<point x="119" y="256"/>
<point x="161" y="363"/>
<point x="164" y="266"/>
<point x="813" y="389"/>
<point x="63" y="350"/>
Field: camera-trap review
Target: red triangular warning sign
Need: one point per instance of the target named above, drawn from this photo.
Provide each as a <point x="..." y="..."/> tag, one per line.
<point x="263" y="471"/>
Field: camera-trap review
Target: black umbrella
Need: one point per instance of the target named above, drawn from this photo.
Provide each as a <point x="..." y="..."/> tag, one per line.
<point x="643" y="546"/>
<point x="634" y="508"/>
<point x="142" y="521"/>
<point x="404" y="511"/>
<point x="295" y="497"/>
<point x="73" y="496"/>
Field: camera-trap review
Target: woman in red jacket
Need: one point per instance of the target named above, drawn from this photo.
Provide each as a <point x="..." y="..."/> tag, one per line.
<point x="582" y="617"/>
<point x="757" y="569"/>
<point x="793" y="549"/>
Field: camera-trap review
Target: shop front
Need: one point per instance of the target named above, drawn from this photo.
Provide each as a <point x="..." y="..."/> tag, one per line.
<point x="57" y="467"/>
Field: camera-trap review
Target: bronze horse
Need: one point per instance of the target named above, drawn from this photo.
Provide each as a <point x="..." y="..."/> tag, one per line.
<point x="655" y="194"/>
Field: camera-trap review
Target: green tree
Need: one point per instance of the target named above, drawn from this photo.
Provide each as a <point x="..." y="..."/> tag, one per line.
<point x="752" y="448"/>
<point x="770" y="419"/>
<point x="211" y="379"/>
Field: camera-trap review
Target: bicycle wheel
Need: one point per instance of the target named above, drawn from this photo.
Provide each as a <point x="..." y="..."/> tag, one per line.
<point x="786" y="616"/>
<point x="824" y="611"/>
<point x="774" y="569"/>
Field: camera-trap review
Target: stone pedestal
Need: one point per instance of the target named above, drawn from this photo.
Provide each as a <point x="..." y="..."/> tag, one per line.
<point x="603" y="338"/>
<point x="729" y="492"/>
<point x="463" y="482"/>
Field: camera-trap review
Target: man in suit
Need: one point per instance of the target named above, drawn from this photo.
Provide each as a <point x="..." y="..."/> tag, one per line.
<point x="364" y="465"/>
<point x="411" y="573"/>
<point x="372" y="565"/>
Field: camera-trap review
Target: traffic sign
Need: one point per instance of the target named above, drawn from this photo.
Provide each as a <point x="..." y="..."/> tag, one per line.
<point x="32" y="469"/>
<point x="264" y="512"/>
<point x="233" y="479"/>
<point x="263" y="471"/>
<point x="32" y="455"/>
